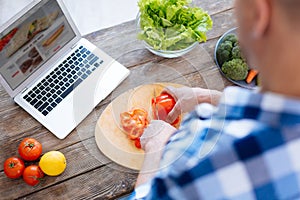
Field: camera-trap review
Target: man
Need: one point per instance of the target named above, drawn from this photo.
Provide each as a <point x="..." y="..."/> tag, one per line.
<point x="247" y="147"/>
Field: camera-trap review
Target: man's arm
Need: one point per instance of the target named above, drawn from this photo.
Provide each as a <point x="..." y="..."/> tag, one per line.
<point x="153" y="142"/>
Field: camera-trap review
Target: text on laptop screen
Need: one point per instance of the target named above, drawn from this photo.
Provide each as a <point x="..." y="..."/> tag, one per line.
<point x="31" y="41"/>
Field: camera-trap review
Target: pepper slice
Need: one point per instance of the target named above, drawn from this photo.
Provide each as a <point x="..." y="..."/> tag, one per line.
<point x="134" y="122"/>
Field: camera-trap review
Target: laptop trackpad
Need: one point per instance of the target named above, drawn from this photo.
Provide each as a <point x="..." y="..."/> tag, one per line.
<point x="78" y="104"/>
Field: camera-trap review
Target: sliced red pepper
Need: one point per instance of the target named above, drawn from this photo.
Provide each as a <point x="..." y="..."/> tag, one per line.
<point x="134" y="122"/>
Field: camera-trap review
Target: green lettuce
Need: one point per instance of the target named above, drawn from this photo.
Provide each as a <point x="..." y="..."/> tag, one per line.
<point x="172" y="24"/>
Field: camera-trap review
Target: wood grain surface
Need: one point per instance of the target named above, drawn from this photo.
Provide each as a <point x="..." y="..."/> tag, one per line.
<point x="89" y="173"/>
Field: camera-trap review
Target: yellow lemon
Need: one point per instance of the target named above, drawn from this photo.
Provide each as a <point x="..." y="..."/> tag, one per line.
<point x="53" y="163"/>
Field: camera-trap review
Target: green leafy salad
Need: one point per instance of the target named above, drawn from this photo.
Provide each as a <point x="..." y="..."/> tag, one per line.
<point x="172" y="24"/>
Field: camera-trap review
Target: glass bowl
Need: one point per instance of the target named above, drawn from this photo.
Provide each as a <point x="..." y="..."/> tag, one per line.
<point x="165" y="53"/>
<point x="170" y="53"/>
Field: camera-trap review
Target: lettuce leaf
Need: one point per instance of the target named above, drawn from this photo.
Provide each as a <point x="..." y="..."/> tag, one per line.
<point x="172" y="24"/>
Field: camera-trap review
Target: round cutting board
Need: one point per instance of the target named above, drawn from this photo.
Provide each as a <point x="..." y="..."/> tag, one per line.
<point x="111" y="139"/>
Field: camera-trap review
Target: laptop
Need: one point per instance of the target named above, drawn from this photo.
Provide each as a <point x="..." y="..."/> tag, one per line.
<point x="53" y="73"/>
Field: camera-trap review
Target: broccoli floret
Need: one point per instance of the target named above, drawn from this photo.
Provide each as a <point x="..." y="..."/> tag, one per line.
<point x="223" y="56"/>
<point x="224" y="52"/>
<point x="232" y="38"/>
<point x="236" y="52"/>
<point x="236" y="69"/>
<point x="227" y="45"/>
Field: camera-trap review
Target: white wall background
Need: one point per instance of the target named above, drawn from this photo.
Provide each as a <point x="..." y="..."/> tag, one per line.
<point x="89" y="15"/>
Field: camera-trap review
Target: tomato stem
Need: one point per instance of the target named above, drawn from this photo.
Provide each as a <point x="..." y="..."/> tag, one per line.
<point x="12" y="164"/>
<point x="29" y="144"/>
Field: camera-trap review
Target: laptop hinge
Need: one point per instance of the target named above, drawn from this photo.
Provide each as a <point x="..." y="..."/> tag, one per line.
<point x="24" y="90"/>
<point x="74" y="46"/>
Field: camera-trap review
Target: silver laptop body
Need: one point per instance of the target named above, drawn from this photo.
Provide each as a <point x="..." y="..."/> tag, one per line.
<point x="41" y="40"/>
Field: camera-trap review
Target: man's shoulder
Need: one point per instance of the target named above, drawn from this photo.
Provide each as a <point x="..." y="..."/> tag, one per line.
<point x="252" y="164"/>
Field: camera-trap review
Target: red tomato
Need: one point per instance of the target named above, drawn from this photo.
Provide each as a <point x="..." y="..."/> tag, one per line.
<point x="30" y="149"/>
<point x="32" y="175"/>
<point x="14" y="167"/>
<point x="134" y="122"/>
<point x="162" y="105"/>
<point x="137" y="143"/>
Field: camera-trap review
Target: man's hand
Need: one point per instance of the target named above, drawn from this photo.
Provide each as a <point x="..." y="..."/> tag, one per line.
<point x="156" y="135"/>
<point x="187" y="98"/>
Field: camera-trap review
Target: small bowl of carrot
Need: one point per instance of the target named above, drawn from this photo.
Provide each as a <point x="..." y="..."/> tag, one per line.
<point x="232" y="64"/>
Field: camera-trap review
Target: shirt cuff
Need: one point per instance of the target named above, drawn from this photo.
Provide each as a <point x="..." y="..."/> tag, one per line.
<point x="140" y="192"/>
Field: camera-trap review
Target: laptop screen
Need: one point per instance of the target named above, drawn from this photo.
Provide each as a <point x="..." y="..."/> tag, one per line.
<point x="30" y="41"/>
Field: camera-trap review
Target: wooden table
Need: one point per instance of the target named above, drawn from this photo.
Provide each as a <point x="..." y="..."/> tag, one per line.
<point x="89" y="173"/>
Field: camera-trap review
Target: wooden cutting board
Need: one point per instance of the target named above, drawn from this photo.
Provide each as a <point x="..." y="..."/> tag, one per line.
<point x="111" y="139"/>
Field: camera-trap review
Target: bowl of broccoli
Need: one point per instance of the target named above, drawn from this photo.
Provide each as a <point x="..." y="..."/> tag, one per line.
<point x="232" y="64"/>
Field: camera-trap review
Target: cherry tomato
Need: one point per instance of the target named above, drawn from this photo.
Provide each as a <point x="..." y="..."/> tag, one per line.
<point x="134" y="122"/>
<point x="30" y="149"/>
<point x="162" y="105"/>
<point x="32" y="175"/>
<point x="14" y="167"/>
<point x="137" y="143"/>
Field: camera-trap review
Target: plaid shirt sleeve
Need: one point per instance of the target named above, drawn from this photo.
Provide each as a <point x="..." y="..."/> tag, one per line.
<point x="245" y="149"/>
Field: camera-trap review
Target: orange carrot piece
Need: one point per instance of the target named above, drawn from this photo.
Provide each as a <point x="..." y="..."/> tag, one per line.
<point x="251" y="75"/>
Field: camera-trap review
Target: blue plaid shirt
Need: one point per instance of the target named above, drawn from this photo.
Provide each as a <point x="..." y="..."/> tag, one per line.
<point x="246" y="148"/>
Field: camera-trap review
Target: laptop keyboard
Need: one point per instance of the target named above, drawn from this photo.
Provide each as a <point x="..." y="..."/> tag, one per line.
<point x="47" y="94"/>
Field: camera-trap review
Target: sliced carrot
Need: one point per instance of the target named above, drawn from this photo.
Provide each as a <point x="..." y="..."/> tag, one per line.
<point x="251" y="75"/>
